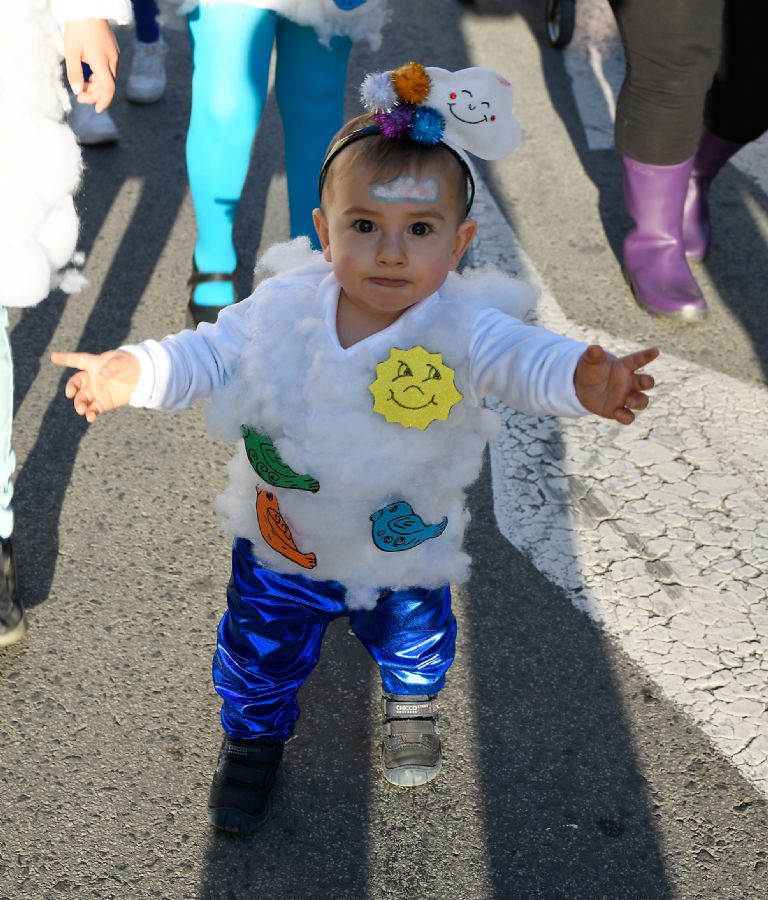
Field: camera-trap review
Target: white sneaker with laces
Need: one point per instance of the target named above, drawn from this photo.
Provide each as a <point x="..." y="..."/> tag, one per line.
<point x="91" y="127"/>
<point x="146" y="80"/>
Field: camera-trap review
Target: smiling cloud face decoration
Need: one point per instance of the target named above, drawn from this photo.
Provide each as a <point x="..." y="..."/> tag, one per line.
<point x="414" y="388"/>
<point x="477" y="106"/>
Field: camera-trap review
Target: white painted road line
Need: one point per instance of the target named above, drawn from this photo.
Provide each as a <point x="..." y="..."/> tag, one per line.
<point x="595" y="62"/>
<point x="659" y="531"/>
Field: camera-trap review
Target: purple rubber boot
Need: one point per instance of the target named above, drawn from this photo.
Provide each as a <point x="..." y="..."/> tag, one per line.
<point x="654" y="255"/>
<point x="713" y="153"/>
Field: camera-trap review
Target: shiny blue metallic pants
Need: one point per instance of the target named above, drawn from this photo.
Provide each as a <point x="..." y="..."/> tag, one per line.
<point x="269" y="641"/>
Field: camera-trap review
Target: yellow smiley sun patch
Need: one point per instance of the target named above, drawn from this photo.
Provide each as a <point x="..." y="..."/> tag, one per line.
<point x="414" y="388"/>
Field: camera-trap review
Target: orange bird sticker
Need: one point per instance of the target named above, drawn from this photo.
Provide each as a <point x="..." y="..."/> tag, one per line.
<point x="275" y="531"/>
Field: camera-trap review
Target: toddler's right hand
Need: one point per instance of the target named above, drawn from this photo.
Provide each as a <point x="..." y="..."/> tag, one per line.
<point x="105" y="380"/>
<point x="91" y="41"/>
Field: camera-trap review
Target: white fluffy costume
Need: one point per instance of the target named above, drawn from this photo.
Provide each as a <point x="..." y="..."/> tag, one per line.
<point x="355" y="19"/>
<point x="39" y="157"/>
<point x="273" y="363"/>
<point x="39" y="172"/>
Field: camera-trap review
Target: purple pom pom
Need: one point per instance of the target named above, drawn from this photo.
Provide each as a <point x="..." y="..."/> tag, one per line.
<point x="427" y="127"/>
<point x="395" y="124"/>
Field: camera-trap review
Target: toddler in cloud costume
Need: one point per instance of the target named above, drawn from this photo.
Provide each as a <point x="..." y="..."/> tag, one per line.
<point x="351" y="384"/>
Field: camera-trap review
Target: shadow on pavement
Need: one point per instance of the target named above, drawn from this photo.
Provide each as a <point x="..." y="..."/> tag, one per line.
<point x="567" y="813"/>
<point x="315" y="843"/>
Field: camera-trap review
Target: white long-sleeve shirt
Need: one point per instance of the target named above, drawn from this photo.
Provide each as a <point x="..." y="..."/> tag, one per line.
<point x="274" y="363"/>
<point x="120" y="12"/>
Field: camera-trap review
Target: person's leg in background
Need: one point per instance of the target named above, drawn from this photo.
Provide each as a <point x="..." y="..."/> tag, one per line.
<point x="310" y="79"/>
<point x="735" y="113"/>
<point x="12" y="618"/>
<point x="268" y="644"/>
<point x="145" y="14"/>
<point x="672" y="51"/>
<point x="146" y="79"/>
<point x="411" y="635"/>
<point x="231" y="49"/>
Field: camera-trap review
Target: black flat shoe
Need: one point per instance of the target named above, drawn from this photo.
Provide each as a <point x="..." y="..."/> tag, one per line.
<point x="13" y="622"/>
<point x="240" y="800"/>
<point x="196" y="312"/>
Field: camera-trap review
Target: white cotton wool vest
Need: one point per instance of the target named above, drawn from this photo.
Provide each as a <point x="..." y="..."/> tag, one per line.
<point x="312" y="398"/>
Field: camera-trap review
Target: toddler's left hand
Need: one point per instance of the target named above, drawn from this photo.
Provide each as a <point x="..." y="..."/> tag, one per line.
<point x="610" y="386"/>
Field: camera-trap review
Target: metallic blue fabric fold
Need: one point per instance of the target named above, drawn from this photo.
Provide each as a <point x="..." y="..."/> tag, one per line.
<point x="270" y="637"/>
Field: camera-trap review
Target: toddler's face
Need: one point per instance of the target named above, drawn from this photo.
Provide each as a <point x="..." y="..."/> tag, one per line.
<point x="392" y="241"/>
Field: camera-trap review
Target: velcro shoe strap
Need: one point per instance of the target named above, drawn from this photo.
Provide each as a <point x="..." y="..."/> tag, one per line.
<point x="253" y="776"/>
<point x="409" y="726"/>
<point x="409" y="709"/>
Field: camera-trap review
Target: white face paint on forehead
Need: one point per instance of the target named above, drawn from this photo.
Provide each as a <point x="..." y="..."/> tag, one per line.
<point x="407" y="189"/>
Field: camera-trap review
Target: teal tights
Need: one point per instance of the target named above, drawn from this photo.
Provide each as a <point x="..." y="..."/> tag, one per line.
<point x="231" y="48"/>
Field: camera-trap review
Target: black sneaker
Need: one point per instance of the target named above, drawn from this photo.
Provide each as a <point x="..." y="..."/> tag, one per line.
<point x="242" y="783"/>
<point x="13" y="622"/>
<point x="410" y="752"/>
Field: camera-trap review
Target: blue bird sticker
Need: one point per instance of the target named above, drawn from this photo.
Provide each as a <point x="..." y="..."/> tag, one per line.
<point x="397" y="527"/>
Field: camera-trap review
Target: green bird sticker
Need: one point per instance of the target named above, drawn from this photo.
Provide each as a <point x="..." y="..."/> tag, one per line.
<point x="266" y="462"/>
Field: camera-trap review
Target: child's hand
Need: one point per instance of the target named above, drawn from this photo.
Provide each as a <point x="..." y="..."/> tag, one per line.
<point x="610" y="386"/>
<point x="105" y="381"/>
<point x="91" y="41"/>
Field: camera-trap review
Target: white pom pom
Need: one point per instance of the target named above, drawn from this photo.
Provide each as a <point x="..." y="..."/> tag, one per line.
<point x="71" y="281"/>
<point x="377" y="92"/>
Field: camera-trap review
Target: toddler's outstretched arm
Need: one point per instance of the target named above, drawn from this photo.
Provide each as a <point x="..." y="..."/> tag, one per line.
<point x="611" y="386"/>
<point x="105" y="380"/>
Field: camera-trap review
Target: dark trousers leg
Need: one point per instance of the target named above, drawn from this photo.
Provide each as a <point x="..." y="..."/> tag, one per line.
<point x="673" y="50"/>
<point x="145" y="14"/>
<point x="737" y="104"/>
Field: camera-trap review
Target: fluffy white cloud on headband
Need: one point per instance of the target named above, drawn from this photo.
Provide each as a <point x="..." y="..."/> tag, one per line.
<point x="477" y="106"/>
